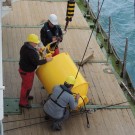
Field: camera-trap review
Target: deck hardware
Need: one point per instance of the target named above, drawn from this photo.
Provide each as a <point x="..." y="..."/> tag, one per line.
<point x="117" y="62"/>
<point x="101" y="46"/>
<point x="86" y="58"/>
<point x="108" y="70"/>
<point x="92" y="61"/>
<point x="122" y="84"/>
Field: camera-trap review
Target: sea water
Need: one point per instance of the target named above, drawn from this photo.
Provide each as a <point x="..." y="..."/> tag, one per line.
<point x="122" y="13"/>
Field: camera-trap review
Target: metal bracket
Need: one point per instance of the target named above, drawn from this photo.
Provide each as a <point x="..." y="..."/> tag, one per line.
<point x="2" y="88"/>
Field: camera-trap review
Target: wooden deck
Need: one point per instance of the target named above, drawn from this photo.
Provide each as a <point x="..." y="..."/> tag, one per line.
<point x="27" y="17"/>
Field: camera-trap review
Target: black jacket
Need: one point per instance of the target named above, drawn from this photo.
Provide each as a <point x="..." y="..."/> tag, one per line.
<point x="29" y="59"/>
<point x="47" y="33"/>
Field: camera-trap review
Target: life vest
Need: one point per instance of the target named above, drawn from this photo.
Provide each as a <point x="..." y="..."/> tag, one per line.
<point x="63" y="90"/>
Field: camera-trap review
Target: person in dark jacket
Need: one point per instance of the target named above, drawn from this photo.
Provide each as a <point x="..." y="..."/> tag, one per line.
<point x="51" y="32"/>
<point x="56" y="105"/>
<point x="29" y="60"/>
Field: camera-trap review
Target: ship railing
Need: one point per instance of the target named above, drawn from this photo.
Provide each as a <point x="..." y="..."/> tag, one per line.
<point x="106" y="35"/>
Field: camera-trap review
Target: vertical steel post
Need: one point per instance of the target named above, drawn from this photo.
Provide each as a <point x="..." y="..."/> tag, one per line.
<point x="98" y="9"/>
<point x="85" y="3"/>
<point x="123" y="73"/>
<point x="88" y="7"/>
<point x="98" y="6"/>
<point x="109" y="35"/>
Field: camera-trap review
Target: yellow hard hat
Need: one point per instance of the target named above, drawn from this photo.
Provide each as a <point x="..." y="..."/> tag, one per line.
<point x="70" y="80"/>
<point x="33" y="38"/>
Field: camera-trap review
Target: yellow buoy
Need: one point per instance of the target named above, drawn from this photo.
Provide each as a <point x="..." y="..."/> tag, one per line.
<point x="55" y="73"/>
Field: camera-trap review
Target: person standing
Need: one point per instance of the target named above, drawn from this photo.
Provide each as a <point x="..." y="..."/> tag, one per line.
<point x="29" y="60"/>
<point x="51" y="32"/>
<point x="56" y="105"/>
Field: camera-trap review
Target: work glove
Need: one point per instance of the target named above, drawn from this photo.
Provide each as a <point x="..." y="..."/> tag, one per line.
<point x="59" y="39"/>
<point x="49" y="59"/>
<point x="77" y="97"/>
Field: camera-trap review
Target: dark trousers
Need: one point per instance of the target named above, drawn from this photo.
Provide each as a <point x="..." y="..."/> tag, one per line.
<point x="26" y="86"/>
<point x="57" y="123"/>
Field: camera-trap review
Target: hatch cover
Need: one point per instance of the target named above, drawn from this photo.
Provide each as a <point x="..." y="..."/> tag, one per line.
<point x="11" y="106"/>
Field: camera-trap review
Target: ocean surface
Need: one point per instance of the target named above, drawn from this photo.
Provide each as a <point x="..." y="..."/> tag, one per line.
<point x="122" y="13"/>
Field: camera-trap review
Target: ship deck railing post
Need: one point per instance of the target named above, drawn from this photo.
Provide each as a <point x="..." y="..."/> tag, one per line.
<point x="85" y="3"/>
<point x="88" y="8"/>
<point x="109" y="36"/>
<point x="108" y="39"/>
<point x="123" y="72"/>
<point x="97" y="25"/>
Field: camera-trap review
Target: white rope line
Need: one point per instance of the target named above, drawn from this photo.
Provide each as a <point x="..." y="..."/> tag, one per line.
<point x="119" y="35"/>
<point x="116" y="41"/>
<point x="102" y="32"/>
<point x="102" y="20"/>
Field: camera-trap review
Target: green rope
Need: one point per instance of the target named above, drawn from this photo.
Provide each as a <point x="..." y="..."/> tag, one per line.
<point x="51" y="0"/>
<point x="21" y="26"/>
<point x="39" y="26"/>
<point x="48" y="0"/>
<point x="10" y="60"/>
<point x="76" y="61"/>
<point x="110" y="107"/>
<point x="92" y="61"/>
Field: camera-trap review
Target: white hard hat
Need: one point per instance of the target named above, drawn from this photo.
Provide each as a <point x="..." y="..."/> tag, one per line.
<point x="53" y="19"/>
